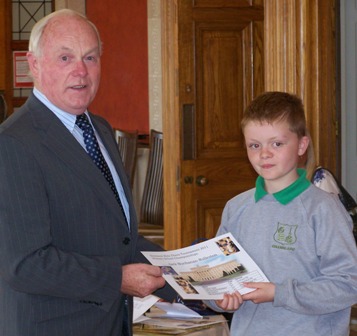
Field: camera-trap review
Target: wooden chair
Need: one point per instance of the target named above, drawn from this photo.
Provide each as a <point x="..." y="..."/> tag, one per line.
<point x="127" y="144"/>
<point x="353" y="324"/>
<point x="324" y="179"/>
<point x="151" y="223"/>
<point x="3" y="109"/>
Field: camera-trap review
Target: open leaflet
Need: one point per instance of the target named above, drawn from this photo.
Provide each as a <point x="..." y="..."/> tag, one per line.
<point x="207" y="270"/>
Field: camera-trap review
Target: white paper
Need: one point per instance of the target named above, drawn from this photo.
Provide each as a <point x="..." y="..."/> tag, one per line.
<point x="174" y="324"/>
<point x="141" y="305"/>
<point x="176" y="310"/>
<point x="207" y="270"/>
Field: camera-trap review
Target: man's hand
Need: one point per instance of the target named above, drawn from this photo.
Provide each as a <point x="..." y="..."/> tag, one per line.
<point x="265" y="292"/>
<point x="230" y="301"/>
<point x="141" y="279"/>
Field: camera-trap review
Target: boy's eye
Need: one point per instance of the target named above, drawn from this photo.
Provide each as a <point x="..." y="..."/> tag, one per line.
<point x="277" y="144"/>
<point x="253" y="146"/>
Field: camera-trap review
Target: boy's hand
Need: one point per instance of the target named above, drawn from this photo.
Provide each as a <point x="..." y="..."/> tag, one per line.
<point x="265" y="292"/>
<point x="230" y="301"/>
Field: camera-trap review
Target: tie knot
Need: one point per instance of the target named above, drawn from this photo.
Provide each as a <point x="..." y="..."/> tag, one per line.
<point x="82" y="122"/>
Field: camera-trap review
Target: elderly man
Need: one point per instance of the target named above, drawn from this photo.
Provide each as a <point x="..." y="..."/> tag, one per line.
<point x="69" y="248"/>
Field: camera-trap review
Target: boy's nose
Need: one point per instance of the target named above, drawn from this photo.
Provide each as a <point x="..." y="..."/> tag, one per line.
<point x="265" y="153"/>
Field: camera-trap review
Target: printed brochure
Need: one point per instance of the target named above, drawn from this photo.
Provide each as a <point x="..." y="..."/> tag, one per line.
<point x="207" y="270"/>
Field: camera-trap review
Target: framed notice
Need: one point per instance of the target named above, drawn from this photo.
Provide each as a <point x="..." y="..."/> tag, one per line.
<point x="22" y="78"/>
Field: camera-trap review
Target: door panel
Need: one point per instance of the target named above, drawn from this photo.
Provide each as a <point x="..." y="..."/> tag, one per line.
<point x="209" y="215"/>
<point x="220" y="71"/>
<point x="221" y="3"/>
<point x="224" y="85"/>
<point x="219" y="75"/>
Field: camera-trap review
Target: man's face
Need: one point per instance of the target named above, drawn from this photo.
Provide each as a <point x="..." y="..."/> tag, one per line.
<point x="67" y="71"/>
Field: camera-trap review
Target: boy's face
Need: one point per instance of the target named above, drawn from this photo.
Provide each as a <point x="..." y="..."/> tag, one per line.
<point x="273" y="150"/>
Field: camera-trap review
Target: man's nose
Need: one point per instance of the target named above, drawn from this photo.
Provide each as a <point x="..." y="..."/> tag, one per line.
<point x="81" y="68"/>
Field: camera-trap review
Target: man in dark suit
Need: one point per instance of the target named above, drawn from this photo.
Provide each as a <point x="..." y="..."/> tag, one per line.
<point x="70" y="258"/>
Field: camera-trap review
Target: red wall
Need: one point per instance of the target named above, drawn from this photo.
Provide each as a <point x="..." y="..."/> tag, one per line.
<point x="122" y="97"/>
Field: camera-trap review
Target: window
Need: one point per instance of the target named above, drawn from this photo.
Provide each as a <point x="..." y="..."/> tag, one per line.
<point x="24" y="14"/>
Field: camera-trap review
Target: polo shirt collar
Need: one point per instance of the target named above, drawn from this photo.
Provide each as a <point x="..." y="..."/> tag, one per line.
<point x="286" y="195"/>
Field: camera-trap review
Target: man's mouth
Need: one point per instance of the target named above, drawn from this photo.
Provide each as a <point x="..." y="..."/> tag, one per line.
<point x="78" y="86"/>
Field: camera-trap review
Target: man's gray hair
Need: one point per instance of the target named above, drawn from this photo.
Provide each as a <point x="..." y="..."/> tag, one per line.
<point x="38" y="29"/>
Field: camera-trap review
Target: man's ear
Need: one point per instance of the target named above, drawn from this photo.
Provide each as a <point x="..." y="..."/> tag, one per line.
<point x="303" y="144"/>
<point x="33" y="64"/>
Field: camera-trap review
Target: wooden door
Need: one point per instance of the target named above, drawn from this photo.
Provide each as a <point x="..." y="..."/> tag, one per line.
<point x="220" y="59"/>
<point x="215" y="60"/>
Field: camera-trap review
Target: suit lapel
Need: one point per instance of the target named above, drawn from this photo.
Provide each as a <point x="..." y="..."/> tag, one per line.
<point x="58" y="139"/>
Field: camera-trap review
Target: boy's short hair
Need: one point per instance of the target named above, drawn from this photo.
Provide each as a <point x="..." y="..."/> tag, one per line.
<point x="276" y="106"/>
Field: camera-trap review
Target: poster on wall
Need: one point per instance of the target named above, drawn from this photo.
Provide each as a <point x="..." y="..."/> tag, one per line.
<point x="22" y="78"/>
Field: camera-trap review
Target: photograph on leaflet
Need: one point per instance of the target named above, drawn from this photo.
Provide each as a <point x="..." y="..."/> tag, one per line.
<point x="209" y="269"/>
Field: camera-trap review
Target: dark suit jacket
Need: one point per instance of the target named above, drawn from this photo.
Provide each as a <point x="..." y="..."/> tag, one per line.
<point x="63" y="238"/>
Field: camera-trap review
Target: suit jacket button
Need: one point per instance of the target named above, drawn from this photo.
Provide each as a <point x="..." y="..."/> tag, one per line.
<point x="126" y="240"/>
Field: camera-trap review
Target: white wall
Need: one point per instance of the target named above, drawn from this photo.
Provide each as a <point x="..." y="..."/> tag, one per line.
<point x="77" y="5"/>
<point x="155" y="95"/>
<point x="155" y="70"/>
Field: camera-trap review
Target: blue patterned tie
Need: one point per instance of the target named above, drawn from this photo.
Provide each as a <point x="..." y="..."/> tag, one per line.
<point x="96" y="155"/>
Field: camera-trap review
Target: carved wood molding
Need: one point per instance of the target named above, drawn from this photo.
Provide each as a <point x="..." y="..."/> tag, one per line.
<point x="172" y="213"/>
<point x="300" y="57"/>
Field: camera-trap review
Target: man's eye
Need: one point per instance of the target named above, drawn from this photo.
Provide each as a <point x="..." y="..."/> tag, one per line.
<point x="91" y="58"/>
<point x="64" y="58"/>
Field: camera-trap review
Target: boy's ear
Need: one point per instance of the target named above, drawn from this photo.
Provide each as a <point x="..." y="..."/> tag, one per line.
<point x="303" y="144"/>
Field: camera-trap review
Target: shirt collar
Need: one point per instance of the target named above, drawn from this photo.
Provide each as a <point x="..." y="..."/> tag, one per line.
<point x="68" y="119"/>
<point x="286" y="195"/>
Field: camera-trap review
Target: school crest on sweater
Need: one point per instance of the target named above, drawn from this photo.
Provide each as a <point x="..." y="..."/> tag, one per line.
<point x="285" y="234"/>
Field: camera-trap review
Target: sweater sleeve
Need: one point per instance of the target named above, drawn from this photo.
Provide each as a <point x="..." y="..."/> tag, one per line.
<point x="334" y="286"/>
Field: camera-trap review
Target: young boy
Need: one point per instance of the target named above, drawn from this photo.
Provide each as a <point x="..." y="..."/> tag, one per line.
<point x="300" y="236"/>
